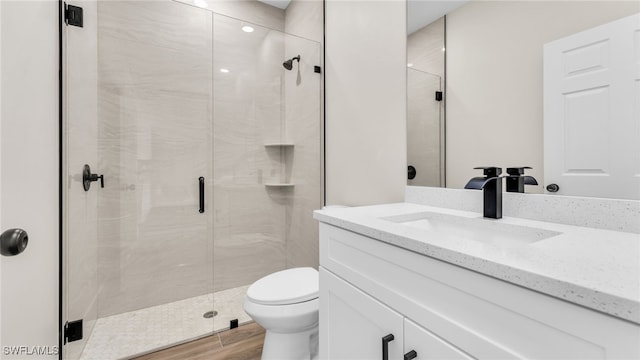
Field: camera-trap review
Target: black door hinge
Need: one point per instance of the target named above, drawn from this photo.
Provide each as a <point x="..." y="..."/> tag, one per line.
<point x="72" y="331"/>
<point x="73" y="15"/>
<point x="317" y="69"/>
<point x="438" y="95"/>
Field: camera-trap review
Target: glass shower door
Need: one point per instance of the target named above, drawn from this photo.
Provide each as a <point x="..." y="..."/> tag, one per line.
<point x="138" y="252"/>
<point x="267" y="167"/>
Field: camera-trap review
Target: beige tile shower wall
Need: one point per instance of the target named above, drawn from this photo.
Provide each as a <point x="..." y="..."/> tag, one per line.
<point x="154" y="68"/>
<point x="304" y="18"/>
<point x="424" y="48"/>
<point x="249" y="237"/>
<point x="251" y="11"/>
<point x="494" y="78"/>
<point x="303" y="115"/>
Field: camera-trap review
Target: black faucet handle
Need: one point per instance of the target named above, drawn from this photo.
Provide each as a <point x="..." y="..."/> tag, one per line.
<point x="517" y="170"/>
<point x="516" y="180"/>
<point x="490" y="171"/>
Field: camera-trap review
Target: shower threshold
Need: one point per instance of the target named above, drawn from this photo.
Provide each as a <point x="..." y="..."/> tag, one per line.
<point x="139" y="332"/>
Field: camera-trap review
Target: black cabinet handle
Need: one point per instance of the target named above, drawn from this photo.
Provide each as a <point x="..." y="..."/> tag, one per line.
<point x="410" y="355"/>
<point x="201" y="186"/>
<point x="385" y="346"/>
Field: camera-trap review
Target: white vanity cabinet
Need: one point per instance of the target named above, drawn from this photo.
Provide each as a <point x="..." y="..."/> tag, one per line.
<point x="429" y="346"/>
<point x="356" y="326"/>
<point x="370" y="288"/>
<point x="355" y="323"/>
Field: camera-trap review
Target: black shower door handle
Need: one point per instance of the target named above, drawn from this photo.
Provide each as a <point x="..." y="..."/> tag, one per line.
<point x="201" y="187"/>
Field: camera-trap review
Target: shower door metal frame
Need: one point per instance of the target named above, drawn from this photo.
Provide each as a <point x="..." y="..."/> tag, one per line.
<point x="60" y="172"/>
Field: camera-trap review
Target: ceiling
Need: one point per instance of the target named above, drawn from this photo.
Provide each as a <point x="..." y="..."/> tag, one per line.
<point x="424" y="12"/>
<point x="282" y="4"/>
<point x="419" y="12"/>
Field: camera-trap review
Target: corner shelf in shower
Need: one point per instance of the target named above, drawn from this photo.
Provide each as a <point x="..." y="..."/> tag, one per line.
<point x="279" y="144"/>
<point x="280" y="185"/>
<point x="283" y="146"/>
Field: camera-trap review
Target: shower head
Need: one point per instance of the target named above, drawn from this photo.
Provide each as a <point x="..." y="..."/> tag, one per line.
<point x="289" y="63"/>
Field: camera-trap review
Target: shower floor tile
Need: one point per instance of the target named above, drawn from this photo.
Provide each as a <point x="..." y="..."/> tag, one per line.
<point x="138" y="332"/>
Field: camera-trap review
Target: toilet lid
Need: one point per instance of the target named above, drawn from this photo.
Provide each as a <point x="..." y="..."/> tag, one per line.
<point x="289" y="286"/>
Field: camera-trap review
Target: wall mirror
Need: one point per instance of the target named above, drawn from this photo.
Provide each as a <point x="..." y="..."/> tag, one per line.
<point x="491" y="75"/>
<point x="426" y="25"/>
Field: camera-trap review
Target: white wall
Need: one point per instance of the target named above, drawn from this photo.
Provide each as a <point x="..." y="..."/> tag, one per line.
<point x="494" y="79"/>
<point x="365" y="82"/>
<point x="29" y="130"/>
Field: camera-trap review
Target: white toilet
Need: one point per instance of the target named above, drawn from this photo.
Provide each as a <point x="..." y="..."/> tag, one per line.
<point x="285" y="303"/>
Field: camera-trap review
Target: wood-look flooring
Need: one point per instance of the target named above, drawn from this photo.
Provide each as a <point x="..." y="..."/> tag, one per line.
<point x="242" y="343"/>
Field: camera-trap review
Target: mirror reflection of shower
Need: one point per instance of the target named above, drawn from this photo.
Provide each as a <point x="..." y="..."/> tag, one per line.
<point x="289" y="63"/>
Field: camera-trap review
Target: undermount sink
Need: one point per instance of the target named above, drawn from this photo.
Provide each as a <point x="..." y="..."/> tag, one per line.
<point x="469" y="228"/>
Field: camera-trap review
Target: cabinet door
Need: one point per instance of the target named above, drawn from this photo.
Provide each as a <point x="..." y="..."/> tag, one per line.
<point x="429" y="346"/>
<point x="353" y="324"/>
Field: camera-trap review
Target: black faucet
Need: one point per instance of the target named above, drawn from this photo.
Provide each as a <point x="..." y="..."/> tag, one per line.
<point x="516" y="180"/>
<point x="491" y="185"/>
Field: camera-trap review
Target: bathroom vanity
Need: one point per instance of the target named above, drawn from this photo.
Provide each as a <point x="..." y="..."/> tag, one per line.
<point x="449" y="284"/>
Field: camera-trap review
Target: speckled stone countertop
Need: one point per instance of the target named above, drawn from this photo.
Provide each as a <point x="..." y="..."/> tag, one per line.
<point x="598" y="269"/>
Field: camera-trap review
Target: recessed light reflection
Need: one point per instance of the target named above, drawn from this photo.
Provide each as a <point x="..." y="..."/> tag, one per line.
<point x="409" y="65"/>
<point x="442" y="49"/>
<point x="200" y="3"/>
<point x="247" y="28"/>
<point x="224" y="70"/>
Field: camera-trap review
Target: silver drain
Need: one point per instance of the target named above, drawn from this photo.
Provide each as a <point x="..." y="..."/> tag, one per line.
<point x="210" y="314"/>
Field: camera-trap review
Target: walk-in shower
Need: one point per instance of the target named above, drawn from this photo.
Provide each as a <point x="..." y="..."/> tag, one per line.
<point x="210" y="155"/>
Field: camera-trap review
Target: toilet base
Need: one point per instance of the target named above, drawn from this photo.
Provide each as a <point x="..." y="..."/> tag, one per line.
<point x="293" y="346"/>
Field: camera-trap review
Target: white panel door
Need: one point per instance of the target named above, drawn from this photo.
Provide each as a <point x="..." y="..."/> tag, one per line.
<point x="29" y="183"/>
<point x="592" y="111"/>
<point x="353" y="324"/>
